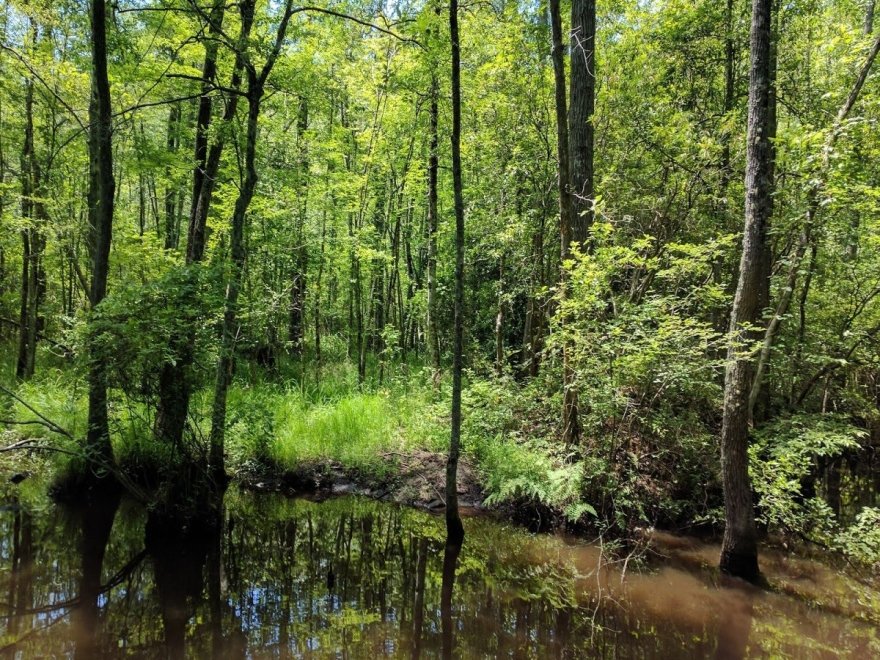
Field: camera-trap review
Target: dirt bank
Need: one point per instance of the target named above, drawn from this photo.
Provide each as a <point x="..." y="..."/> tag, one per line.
<point x="415" y="478"/>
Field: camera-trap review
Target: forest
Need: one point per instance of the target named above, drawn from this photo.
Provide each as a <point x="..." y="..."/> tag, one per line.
<point x="600" y="269"/>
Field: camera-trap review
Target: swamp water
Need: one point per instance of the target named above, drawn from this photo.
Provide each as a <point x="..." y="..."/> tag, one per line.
<point x="355" y="578"/>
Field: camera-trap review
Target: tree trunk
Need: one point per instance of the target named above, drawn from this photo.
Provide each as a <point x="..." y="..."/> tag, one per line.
<point x="174" y="377"/>
<point x="729" y="97"/>
<point x="534" y="322"/>
<point x="21" y="364"/>
<point x="226" y="359"/>
<point x="454" y="528"/>
<point x="172" y="220"/>
<point x="499" y="322"/>
<point x="32" y="240"/>
<point x="739" y="551"/>
<point x="102" y="187"/>
<point x="580" y="116"/>
<point x="570" y="423"/>
<point x="318" y="285"/>
<point x="432" y="335"/>
<point x="296" y="329"/>
<point x="203" y="115"/>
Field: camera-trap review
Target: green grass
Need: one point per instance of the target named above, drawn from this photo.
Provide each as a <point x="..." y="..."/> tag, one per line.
<point x="362" y="431"/>
<point x="57" y="397"/>
<point x="301" y="416"/>
<point x="355" y="431"/>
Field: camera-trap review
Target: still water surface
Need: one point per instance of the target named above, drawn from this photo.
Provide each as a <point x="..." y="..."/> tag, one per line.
<point x="354" y="578"/>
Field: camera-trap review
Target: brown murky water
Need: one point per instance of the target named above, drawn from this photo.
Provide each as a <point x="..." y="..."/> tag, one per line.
<point x="352" y="578"/>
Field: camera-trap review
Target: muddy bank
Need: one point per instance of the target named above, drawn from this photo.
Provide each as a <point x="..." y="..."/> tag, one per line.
<point x="414" y="479"/>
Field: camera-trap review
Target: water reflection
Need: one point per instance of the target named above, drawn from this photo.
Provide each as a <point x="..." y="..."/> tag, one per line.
<point x="96" y="523"/>
<point x="450" y="563"/>
<point x="276" y="578"/>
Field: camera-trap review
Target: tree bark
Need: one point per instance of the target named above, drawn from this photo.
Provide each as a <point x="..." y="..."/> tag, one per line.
<point x="102" y="187"/>
<point x="318" y="291"/>
<point x="226" y="359"/>
<point x="580" y="116"/>
<point x="570" y="423"/>
<point x="432" y="335"/>
<point x="296" y="328"/>
<point x="33" y="277"/>
<point x="172" y="142"/>
<point x="454" y="528"/>
<point x="174" y="377"/>
<point x="203" y="116"/>
<point x="739" y="551"/>
<point x="499" y="322"/>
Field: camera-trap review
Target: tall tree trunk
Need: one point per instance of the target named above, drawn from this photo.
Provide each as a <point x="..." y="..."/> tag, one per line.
<point x="432" y="335"/>
<point x="172" y="220"/>
<point x="174" y="377"/>
<point x="102" y="187"/>
<point x="32" y="239"/>
<point x="203" y="115"/>
<point x="318" y="285"/>
<point x="729" y="96"/>
<point x="739" y="551"/>
<point x="454" y="528"/>
<point x="226" y="359"/>
<point x="21" y="364"/>
<point x="499" y="322"/>
<point x="580" y="116"/>
<point x="570" y="423"/>
<point x="300" y="263"/>
<point x="852" y="247"/>
<point x="534" y="323"/>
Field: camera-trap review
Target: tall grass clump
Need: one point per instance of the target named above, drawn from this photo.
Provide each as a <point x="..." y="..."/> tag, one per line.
<point x="358" y="431"/>
<point x="57" y="397"/>
<point x="289" y="426"/>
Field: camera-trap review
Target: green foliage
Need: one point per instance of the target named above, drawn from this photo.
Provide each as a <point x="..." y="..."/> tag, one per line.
<point x="288" y="427"/>
<point x="861" y="540"/>
<point x="529" y="472"/>
<point x="56" y="395"/>
<point x="516" y="468"/>
<point x="783" y="457"/>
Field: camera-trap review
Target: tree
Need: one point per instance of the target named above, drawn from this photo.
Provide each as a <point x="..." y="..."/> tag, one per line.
<point x="454" y="528"/>
<point x="225" y="363"/>
<point x="102" y="187"/>
<point x="571" y="430"/>
<point x="580" y="116"/>
<point x="739" y="551"/>
<point x="175" y="388"/>
<point x="431" y="331"/>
